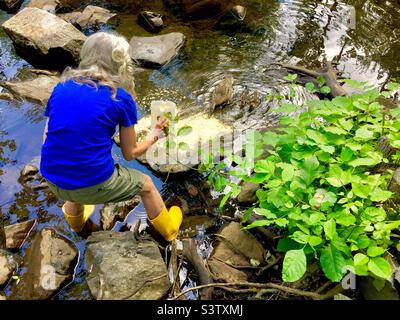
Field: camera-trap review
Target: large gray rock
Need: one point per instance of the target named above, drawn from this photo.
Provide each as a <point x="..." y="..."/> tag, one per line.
<point x="17" y="233"/>
<point x="90" y="16"/>
<point x="122" y="268"/>
<point x="43" y="39"/>
<point x="36" y="90"/>
<point x="155" y="52"/>
<point x="7" y="266"/>
<point x="50" y="261"/>
<point x="165" y="158"/>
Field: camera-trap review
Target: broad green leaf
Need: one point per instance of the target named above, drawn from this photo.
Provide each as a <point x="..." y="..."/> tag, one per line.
<point x="380" y="267"/>
<point x="309" y="169"/>
<point x="379" y="195"/>
<point x="300" y="237"/>
<point x="316" y="136"/>
<point x="333" y="263"/>
<point x="346" y="154"/>
<point x="294" y="265"/>
<point x="330" y="229"/>
<point x="335" y="130"/>
<point x="184" y="131"/>
<point x="375" y="251"/>
<point x="360" y="259"/>
<point x="265" y="212"/>
<point x="364" y="133"/>
<point x="288" y="171"/>
<point x="264" y="166"/>
<point x="259" y="223"/>
<point x="183" y="146"/>
<point x="315" y="241"/>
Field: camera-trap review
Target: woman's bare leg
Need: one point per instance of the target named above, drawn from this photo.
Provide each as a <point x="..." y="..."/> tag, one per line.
<point x="73" y="208"/>
<point x="151" y="198"/>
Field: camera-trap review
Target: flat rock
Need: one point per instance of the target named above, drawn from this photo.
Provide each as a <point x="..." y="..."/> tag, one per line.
<point x="50" y="261"/>
<point x="183" y="155"/>
<point x="47" y="5"/>
<point x="2" y="297"/>
<point x="7" y="266"/>
<point x="91" y="15"/>
<point x="122" y="268"/>
<point x="157" y="51"/>
<point x="17" y="233"/>
<point x="223" y="272"/>
<point x="113" y="212"/>
<point x="238" y="247"/>
<point x="36" y="90"/>
<point x="248" y="192"/>
<point x="43" y="39"/>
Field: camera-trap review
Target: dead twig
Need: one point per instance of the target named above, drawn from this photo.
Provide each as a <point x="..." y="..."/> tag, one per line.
<point x="269" y="266"/>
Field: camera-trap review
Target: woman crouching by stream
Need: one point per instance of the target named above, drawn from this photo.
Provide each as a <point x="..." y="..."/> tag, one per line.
<point x="83" y="112"/>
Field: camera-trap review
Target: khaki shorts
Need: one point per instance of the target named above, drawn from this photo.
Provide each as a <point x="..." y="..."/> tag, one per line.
<point x="123" y="185"/>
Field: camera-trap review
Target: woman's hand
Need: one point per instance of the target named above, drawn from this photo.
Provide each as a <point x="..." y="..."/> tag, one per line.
<point x="158" y="131"/>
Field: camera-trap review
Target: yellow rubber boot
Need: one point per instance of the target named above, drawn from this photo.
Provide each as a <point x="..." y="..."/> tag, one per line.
<point x="167" y="223"/>
<point x="77" y="222"/>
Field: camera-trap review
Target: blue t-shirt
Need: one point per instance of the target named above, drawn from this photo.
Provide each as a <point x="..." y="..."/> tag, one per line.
<point x="83" y="119"/>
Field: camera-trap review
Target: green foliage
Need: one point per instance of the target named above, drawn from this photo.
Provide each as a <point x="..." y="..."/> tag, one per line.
<point x="318" y="185"/>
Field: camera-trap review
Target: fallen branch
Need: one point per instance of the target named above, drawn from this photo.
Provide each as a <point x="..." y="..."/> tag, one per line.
<point x="190" y="252"/>
<point x="297" y="292"/>
<point x="269" y="266"/>
<point x="327" y="73"/>
<point x="3" y="244"/>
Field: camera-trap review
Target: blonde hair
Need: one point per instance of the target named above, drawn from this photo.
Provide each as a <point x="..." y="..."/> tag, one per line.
<point x="104" y="58"/>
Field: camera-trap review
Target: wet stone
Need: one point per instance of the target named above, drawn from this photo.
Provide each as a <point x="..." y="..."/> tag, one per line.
<point x="7" y="266"/>
<point x="36" y="90"/>
<point x="17" y="233"/>
<point x="123" y="268"/>
<point x="151" y="21"/>
<point x="43" y="39"/>
<point x="157" y="51"/>
<point x="50" y="261"/>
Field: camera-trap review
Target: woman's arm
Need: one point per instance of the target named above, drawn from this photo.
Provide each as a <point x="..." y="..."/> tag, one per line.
<point x="45" y="130"/>
<point x="131" y="149"/>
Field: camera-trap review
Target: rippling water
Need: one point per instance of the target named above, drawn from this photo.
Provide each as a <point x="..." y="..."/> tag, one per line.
<point x="362" y="37"/>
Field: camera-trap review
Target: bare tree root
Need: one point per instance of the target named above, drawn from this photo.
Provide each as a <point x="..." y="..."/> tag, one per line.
<point x="293" y="291"/>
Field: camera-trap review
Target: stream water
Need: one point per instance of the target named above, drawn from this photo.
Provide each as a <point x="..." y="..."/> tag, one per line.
<point x="362" y="37"/>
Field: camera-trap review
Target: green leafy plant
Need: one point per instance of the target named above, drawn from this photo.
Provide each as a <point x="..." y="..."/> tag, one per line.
<point x="319" y="186"/>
